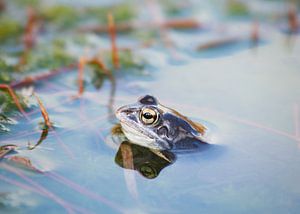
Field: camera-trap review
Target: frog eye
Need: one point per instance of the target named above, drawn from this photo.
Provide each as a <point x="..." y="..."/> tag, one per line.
<point x="149" y="116"/>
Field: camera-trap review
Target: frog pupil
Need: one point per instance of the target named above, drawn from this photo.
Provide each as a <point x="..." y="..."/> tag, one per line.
<point x="148" y="115"/>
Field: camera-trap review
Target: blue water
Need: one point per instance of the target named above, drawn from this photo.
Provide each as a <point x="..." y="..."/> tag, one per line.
<point x="249" y="97"/>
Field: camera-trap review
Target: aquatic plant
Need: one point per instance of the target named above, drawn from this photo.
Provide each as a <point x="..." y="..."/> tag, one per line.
<point x="174" y="8"/>
<point x="10" y="100"/>
<point x="237" y="8"/>
<point x="60" y="15"/>
<point x="10" y="104"/>
<point x="5" y="122"/>
<point x="122" y="13"/>
<point x="5" y="72"/>
<point x="10" y="29"/>
<point x="48" y="57"/>
<point x="24" y="3"/>
<point x="130" y="60"/>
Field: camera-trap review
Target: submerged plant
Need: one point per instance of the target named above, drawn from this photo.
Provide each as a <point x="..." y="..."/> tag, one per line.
<point x="11" y="103"/>
<point x="31" y="3"/>
<point x="237" y="8"/>
<point x="48" y="57"/>
<point x="173" y="7"/>
<point x="5" y="122"/>
<point x="130" y="60"/>
<point x="60" y="15"/>
<point x="121" y="12"/>
<point x="5" y="72"/>
<point x="9" y="30"/>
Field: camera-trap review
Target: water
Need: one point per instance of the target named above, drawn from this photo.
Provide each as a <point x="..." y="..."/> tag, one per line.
<point x="249" y="96"/>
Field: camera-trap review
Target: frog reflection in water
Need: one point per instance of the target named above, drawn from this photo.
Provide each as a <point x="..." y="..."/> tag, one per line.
<point x="150" y="124"/>
<point x="147" y="162"/>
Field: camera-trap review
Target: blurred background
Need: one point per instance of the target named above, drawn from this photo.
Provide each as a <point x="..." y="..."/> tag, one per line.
<point x="66" y="66"/>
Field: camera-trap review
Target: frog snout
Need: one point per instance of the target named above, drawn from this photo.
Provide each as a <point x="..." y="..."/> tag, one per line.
<point x="123" y="111"/>
<point x="118" y="113"/>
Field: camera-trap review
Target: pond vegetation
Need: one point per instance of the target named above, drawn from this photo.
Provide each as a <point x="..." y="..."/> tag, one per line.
<point x="65" y="67"/>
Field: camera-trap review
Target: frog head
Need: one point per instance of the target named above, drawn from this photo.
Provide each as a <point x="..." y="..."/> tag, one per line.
<point x="150" y="124"/>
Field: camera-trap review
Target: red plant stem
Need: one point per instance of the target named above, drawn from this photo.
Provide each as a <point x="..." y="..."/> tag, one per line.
<point x="98" y="61"/>
<point x="15" y="99"/>
<point x="44" y="112"/>
<point x="218" y="43"/>
<point x="145" y="44"/>
<point x="293" y="19"/>
<point x="186" y="23"/>
<point x="2" y="5"/>
<point x="112" y="33"/>
<point x="49" y="125"/>
<point x="255" y="33"/>
<point x="81" y="64"/>
<point x="29" y="36"/>
<point x="100" y="64"/>
<point x="182" y="24"/>
<point x="32" y="79"/>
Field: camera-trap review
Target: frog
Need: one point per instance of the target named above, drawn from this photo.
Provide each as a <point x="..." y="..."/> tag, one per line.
<point x="150" y="124"/>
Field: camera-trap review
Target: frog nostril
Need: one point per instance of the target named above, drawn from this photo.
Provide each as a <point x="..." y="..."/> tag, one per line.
<point x="128" y="111"/>
<point x="163" y="132"/>
<point x="123" y="110"/>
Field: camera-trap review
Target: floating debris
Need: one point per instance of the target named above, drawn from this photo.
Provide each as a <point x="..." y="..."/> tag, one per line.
<point x="23" y="162"/>
<point x="218" y="43"/>
<point x="4" y="150"/>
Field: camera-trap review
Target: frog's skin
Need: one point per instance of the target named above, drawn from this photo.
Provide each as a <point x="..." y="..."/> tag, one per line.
<point x="161" y="128"/>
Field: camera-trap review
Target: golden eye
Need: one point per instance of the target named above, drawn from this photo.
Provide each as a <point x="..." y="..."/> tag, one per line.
<point x="148" y="116"/>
